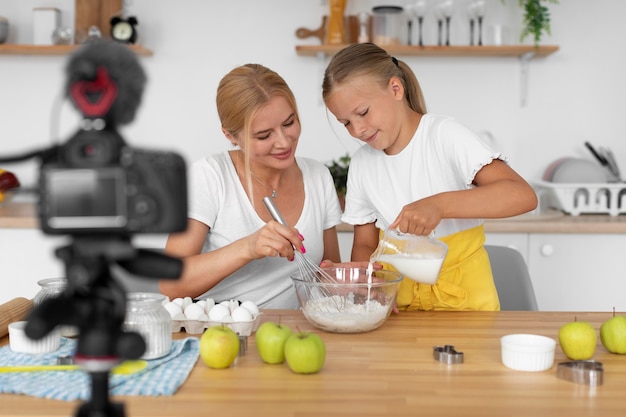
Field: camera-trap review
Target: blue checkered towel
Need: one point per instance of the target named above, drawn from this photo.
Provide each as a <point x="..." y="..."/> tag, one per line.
<point x="162" y="376"/>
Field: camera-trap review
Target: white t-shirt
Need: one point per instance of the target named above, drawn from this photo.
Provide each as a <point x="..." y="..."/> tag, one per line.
<point x="443" y="155"/>
<point x="218" y="199"/>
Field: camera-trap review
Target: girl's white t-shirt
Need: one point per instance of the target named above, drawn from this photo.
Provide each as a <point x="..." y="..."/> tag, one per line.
<point x="443" y="155"/>
<point x="217" y="198"/>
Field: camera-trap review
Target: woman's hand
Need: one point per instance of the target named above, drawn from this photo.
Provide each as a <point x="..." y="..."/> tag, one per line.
<point x="274" y="239"/>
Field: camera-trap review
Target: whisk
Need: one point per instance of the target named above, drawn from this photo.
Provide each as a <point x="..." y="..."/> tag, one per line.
<point x="307" y="269"/>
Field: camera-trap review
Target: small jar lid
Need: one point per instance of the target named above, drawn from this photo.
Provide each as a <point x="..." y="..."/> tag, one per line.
<point x="387" y="9"/>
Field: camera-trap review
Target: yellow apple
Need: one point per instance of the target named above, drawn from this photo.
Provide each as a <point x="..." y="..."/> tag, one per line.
<point x="219" y="346"/>
<point x="613" y="334"/>
<point x="578" y="340"/>
<point x="270" y="341"/>
<point x="305" y="353"/>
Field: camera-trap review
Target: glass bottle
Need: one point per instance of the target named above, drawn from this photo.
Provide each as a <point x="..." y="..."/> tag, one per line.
<point x="146" y="315"/>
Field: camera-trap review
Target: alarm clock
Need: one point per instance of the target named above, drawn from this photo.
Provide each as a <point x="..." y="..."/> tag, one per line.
<point x="123" y="30"/>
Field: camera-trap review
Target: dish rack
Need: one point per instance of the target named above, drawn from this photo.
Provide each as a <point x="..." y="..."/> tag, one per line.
<point x="579" y="198"/>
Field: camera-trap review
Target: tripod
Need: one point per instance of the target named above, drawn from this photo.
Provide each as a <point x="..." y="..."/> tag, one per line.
<point x="96" y="303"/>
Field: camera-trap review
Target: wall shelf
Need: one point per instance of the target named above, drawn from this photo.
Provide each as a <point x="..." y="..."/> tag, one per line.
<point x="477" y="51"/>
<point x="524" y="52"/>
<point x="16" y="49"/>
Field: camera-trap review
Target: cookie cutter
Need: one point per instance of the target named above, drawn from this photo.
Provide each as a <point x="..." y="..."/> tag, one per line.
<point x="447" y="354"/>
<point x="581" y="372"/>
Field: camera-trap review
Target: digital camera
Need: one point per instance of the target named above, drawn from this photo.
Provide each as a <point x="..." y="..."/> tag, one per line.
<point x="95" y="184"/>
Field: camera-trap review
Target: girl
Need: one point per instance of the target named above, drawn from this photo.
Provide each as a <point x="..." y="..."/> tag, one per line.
<point x="420" y="173"/>
<point x="232" y="249"/>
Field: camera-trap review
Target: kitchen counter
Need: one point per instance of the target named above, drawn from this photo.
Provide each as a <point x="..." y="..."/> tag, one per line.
<point x="387" y="372"/>
<point x="24" y="215"/>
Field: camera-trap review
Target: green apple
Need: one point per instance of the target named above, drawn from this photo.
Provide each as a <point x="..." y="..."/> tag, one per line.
<point x="270" y="341"/>
<point x="613" y="334"/>
<point x="578" y="340"/>
<point x="219" y="346"/>
<point x="305" y="353"/>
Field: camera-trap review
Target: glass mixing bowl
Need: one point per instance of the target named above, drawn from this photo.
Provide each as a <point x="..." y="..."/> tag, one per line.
<point x="356" y="300"/>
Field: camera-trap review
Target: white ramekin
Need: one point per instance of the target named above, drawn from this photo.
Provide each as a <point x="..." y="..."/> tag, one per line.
<point x="528" y="352"/>
<point x="19" y="342"/>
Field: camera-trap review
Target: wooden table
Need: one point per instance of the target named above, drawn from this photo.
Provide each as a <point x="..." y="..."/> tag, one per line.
<point x="387" y="372"/>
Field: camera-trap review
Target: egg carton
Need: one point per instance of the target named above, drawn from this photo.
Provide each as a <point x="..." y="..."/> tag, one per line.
<point x="242" y="328"/>
<point x="580" y="198"/>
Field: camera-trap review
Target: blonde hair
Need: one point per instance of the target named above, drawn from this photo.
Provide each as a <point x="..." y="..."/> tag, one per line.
<point x="371" y="60"/>
<point x="240" y="94"/>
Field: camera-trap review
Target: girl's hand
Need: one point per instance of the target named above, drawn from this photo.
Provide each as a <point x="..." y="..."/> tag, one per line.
<point x="274" y="239"/>
<point x="419" y="218"/>
<point x="364" y="265"/>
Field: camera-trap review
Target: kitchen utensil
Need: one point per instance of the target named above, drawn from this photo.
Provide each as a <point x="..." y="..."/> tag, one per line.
<point x="12" y="311"/>
<point x="611" y="164"/>
<point x="356" y="300"/>
<point x="527" y="352"/>
<point x="124" y="368"/>
<point x="308" y="269"/>
<point x="607" y="161"/>
<point x="447" y="354"/>
<point x="419" y="258"/>
<point x="320" y="32"/>
<point x="581" y="372"/>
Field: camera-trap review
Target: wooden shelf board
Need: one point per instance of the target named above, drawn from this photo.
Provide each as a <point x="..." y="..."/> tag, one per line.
<point x="486" y="50"/>
<point x="18" y="49"/>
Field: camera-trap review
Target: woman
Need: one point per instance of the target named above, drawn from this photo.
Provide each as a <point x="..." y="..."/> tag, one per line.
<point x="232" y="249"/>
<point x="420" y="173"/>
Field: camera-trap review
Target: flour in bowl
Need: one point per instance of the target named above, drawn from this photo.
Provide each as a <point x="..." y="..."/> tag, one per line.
<point x="341" y="315"/>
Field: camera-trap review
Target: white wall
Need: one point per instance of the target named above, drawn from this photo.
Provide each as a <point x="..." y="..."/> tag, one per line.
<point x="574" y="95"/>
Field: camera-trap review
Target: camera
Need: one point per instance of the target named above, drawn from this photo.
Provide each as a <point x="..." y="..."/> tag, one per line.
<point x="98" y="187"/>
<point x="94" y="183"/>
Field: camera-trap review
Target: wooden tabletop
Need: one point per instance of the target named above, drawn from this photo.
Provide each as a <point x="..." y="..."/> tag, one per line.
<point x="387" y="372"/>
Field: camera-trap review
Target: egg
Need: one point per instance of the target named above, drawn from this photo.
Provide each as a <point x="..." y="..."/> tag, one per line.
<point x="251" y="307"/>
<point x="187" y="301"/>
<point x="179" y="316"/>
<point x="241" y="314"/>
<point x="218" y="312"/>
<point x="208" y="305"/>
<point x="173" y="308"/>
<point x="201" y="303"/>
<point x="193" y="311"/>
<point x="179" y="301"/>
<point x="230" y="304"/>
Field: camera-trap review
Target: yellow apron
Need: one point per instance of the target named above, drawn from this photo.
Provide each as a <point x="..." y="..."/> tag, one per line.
<point x="465" y="281"/>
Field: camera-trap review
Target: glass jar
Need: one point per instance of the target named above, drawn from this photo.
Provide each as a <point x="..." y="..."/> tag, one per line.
<point x="389" y="25"/>
<point x="146" y="315"/>
<point x="50" y="288"/>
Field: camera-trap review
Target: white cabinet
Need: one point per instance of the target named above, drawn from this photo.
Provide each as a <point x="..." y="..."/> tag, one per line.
<point x="578" y="272"/>
<point x="572" y="271"/>
<point x="517" y="241"/>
